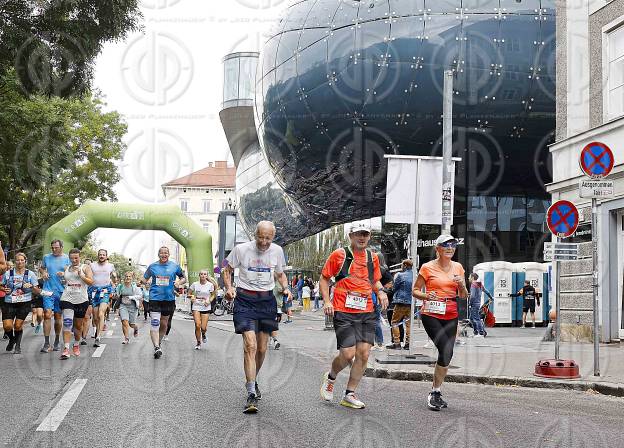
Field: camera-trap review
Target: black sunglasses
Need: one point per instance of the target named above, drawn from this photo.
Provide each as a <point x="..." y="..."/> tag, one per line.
<point x="448" y="244"/>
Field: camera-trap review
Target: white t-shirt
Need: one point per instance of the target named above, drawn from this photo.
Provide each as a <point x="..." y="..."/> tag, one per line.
<point x="202" y="295"/>
<point x="306" y="292"/>
<point x="102" y="273"/>
<point x="257" y="269"/>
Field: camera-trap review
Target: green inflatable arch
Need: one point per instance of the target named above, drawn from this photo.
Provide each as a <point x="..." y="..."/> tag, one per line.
<point x="92" y="215"/>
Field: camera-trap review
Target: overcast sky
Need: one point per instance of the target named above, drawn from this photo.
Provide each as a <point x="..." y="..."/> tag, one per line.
<point x="167" y="82"/>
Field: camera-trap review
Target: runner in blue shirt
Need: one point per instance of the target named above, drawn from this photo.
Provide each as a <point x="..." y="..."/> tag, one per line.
<point x="162" y="275"/>
<point x="51" y="271"/>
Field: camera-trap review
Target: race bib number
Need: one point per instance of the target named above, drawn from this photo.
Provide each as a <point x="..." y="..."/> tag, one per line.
<point x="17" y="296"/>
<point x="356" y="301"/>
<point x="74" y="287"/>
<point x="126" y="300"/>
<point x="261" y="276"/>
<point x="162" y="280"/>
<point x="434" y="307"/>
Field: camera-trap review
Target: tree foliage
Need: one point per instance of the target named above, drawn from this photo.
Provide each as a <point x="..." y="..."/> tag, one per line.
<point x="122" y="263"/>
<point x="52" y="44"/>
<point x="310" y="254"/>
<point x="56" y="154"/>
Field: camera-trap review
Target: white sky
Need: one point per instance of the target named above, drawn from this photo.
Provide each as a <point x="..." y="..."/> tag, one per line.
<point x="167" y="82"/>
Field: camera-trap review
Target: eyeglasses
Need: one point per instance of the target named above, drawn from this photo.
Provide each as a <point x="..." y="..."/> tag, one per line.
<point x="448" y="244"/>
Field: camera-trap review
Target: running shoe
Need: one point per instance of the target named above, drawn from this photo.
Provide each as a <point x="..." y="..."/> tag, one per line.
<point x="32" y="324"/>
<point x="394" y="346"/>
<point x="252" y="405"/>
<point x="406" y="346"/>
<point x="198" y="346"/>
<point x="204" y="340"/>
<point x="136" y="332"/>
<point x="124" y="341"/>
<point x="56" y="347"/>
<point x="327" y="388"/>
<point x="83" y="341"/>
<point x="258" y="393"/>
<point x="157" y="352"/>
<point x="18" y="350"/>
<point x="38" y="329"/>
<point x="435" y="401"/>
<point x="46" y="348"/>
<point x="276" y="344"/>
<point x="65" y="354"/>
<point x="97" y="342"/>
<point x="10" y="346"/>
<point x="350" y="400"/>
<point x="5" y="336"/>
<point x="76" y="350"/>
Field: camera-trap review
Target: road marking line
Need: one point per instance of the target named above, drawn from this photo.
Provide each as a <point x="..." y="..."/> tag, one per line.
<point x="56" y="416"/>
<point x="98" y="351"/>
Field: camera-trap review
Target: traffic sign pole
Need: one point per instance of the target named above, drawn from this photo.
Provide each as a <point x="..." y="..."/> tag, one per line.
<point x="596" y="161"/>
<point x="558" y="307"/>
<point x="595" y="285"/>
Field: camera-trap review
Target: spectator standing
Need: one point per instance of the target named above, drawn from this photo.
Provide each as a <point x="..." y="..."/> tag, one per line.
<point x="402" y="300"/>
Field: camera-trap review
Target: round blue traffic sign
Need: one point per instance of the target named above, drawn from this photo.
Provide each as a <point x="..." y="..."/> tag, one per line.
<point x="562" y="219"/>
<point x="596" y="160"/>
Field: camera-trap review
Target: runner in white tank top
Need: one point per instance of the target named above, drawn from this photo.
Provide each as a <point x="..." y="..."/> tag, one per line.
<point x="202" y="293"/>
<point x="100" y="292"/>
<point x="74" y="301"/>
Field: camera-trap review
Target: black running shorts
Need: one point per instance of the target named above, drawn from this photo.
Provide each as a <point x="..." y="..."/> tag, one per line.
<point x="351" y="328"/>
<point x="164" y="307"/>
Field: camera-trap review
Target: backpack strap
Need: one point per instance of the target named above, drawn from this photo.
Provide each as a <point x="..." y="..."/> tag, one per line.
<point x="348" y="261"/>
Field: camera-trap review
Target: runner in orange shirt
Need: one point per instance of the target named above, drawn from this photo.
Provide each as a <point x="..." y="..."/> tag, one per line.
<point x="443" y="282"/>
<point x="357" y="274"/>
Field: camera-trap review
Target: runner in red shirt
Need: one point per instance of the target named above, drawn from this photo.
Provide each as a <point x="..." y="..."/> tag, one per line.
<point x="357" y="274"/>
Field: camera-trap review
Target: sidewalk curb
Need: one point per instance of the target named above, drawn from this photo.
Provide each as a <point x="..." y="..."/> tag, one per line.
<point x="613" y="389"/>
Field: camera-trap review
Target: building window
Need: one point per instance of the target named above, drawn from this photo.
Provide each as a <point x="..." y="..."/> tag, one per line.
<point x="615" y="61"/>
<point x="206" y="205"/>
<point x="224" y="205"/>
<point x="184" y="205"/>
<point x="206" y="228"/>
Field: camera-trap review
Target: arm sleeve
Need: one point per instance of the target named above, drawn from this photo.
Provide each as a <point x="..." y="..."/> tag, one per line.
<point x="376" y="268"/>
<point x="333" y="263"/>
<point x="180" y="272"/>
<point x="148" y="274"/>
<point x="232" y="259"/>
<point x="281" y="262"/>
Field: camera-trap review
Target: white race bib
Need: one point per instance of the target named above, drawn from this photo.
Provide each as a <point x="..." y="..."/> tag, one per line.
<point x="126" y="300"/>
<point x="75" y="287"/>
<point x="162" y="280"/>
<point x="356" y="301"/>
<point x="262" y="276"/>
<point x="434" y="307"/>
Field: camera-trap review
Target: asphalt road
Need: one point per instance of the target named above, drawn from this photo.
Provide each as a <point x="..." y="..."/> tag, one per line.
<point x="190" y="398"/>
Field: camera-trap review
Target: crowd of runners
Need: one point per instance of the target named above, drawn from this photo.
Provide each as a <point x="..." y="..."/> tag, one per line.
<point x="78" y="295"/>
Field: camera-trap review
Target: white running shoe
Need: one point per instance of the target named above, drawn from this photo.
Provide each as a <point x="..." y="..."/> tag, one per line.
<point x="327" y="388"/>
<point x="350" y="400"/>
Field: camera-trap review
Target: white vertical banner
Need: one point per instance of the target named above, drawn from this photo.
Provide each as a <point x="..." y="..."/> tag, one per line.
<point x="411" y="175"/>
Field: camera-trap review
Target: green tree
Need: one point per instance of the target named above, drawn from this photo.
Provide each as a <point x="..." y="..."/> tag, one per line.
<point x="52" y="44"/>
<point x="57" y="153"/>
<point x="310" y="253"/>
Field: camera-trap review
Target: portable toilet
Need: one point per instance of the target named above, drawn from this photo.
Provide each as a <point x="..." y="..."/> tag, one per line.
<point x="498" y="280"/>
<point x="537" y="274"/>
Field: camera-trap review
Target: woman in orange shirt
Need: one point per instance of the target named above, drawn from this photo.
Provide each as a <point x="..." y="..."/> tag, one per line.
<point x="439" y="285"/>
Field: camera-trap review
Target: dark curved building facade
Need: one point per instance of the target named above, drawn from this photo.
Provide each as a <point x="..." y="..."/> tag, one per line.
<point x="341" y="83"/>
